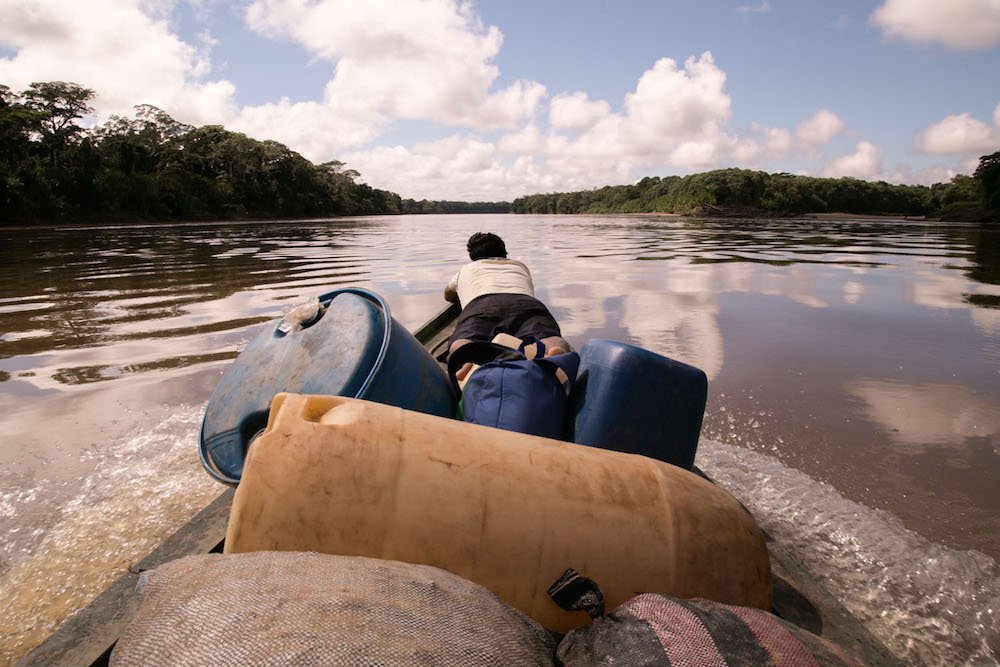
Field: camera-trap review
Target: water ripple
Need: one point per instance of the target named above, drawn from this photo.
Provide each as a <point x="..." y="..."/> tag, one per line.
<point x="931" y="605"/>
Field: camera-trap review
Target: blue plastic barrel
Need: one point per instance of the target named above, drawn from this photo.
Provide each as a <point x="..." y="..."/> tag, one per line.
<point x="632" y="400"/>
<point x="354" y="348"/>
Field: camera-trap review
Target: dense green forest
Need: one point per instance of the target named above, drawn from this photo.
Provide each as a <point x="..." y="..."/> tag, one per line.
<point x="424" y="206"/>
<point x="152" y="167"/>
<point x="744" y="192"/>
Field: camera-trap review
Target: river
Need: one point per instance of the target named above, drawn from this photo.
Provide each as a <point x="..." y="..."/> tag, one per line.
<point x="853" y="365"/>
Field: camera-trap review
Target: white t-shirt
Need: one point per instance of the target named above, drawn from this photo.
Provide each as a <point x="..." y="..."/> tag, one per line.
<point x="491" y="276"/>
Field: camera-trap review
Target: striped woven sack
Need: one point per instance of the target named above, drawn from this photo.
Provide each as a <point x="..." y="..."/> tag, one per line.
<point x="652" y="629"/>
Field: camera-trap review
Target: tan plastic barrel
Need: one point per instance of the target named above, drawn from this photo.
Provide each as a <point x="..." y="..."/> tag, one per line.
<point x="508" y="511"/>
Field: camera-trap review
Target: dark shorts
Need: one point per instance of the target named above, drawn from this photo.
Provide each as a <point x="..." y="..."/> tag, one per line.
<point x="519" y="315"/>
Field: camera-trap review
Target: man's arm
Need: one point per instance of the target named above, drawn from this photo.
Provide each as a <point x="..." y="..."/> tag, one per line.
<point x="451" y="290"/>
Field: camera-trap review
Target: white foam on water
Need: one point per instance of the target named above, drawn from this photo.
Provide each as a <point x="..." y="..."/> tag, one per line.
<point x="10" y="501"/>
<point x="142" y="489"/>
<point x="929" y="604"/>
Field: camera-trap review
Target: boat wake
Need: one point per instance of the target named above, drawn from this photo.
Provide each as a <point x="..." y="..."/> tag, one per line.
<point x="927" y="603"/>
<point x="142" y="489"/>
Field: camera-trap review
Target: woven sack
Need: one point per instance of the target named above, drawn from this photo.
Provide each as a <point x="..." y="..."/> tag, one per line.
<point x="287" y="608"/>
<point x="653" y="629"/>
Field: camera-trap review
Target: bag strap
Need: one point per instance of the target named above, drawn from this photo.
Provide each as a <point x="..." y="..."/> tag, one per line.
<point x="563" y="366"/>
<point x="575" y="592"/>
<point x="558" y="372"/>
<point x="477" y="352"/>
<point x="531" y="349"/>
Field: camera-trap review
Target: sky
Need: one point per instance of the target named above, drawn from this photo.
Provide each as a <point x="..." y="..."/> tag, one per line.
<point x="490" y="100"/>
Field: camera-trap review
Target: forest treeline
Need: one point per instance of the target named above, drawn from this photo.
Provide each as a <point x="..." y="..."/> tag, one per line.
<point x="153" y="167"/>
<point x="741" y="192"/>
<point x="424" y="206"/>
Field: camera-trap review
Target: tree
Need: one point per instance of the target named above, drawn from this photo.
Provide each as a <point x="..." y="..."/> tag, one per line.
<point x="17" y="122"/>
<point x="159" y="121"/>
<point x="344" y="192"/>
<point x="988" y="175"/>
<point x="152" y="166"/>
<point x="59" y="105"/>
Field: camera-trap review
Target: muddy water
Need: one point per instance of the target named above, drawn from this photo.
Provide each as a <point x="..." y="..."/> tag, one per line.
<point x="854" y="384"/>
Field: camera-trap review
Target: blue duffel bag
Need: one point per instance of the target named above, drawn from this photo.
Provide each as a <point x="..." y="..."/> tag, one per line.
<point x="516" y="390"/>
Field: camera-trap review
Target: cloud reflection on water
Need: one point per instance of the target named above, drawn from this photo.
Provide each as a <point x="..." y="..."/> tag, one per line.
<point x="929" y="414"/>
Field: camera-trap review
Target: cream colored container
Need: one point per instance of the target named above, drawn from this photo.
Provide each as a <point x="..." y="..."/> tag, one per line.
<point x="506" y="510"/>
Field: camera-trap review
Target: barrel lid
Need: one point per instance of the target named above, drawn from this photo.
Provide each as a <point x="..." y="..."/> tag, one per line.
<point x="334" y="355"/>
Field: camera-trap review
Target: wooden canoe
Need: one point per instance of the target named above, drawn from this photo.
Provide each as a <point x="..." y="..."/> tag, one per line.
<point x="88" y="636"/>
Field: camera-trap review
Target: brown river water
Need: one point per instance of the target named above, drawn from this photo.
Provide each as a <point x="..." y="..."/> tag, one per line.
<point x="853" y="365"/>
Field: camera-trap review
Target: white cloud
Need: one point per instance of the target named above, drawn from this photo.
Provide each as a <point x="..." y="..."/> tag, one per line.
<point x="904" y="173"/>
<point x="779" y="141"/>
<point x="743" y="149"/>
<point x="996" y="116"/>
<point x="864" y="162"/>
<point x="702" y="154"/>
<point x="821" y="128"/>
<point x="764" y="6"/>
<point x="411" y="60"/>
<point x="676" y="117"/>
<point x="112" y="46"/>
<point x="671" y="104"/>
<point x="453" y="168"/>
<point x="958" y="134"/>
<point x="965" y="25"/>
<point x="575" y="111"/>
<point x="673" y="117"/>
<point x="311" y="128"/>
<point x="810" y="134"/>
<point x="529" y="139"/>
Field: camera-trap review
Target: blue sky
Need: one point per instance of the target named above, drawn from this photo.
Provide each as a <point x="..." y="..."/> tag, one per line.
<point x="499" y="98"/>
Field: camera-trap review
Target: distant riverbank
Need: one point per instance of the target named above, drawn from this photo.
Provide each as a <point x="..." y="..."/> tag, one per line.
<point x="799" y="216"/>
<point x="742" y="193"/>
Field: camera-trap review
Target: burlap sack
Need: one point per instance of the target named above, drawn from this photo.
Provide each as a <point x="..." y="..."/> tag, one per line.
<point x="287" y="608"/>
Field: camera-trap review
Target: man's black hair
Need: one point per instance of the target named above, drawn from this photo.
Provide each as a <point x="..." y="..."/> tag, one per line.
<point x="485" y="245"/>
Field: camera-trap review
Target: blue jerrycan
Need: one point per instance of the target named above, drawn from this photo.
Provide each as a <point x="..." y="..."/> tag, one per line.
<point x="632" y="400"/>
<point x="351" y="347"/>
